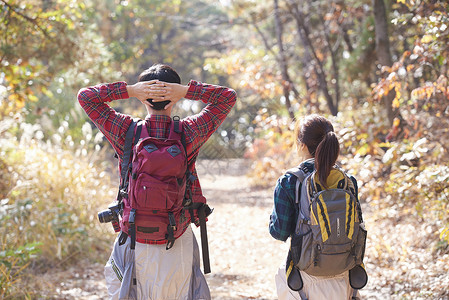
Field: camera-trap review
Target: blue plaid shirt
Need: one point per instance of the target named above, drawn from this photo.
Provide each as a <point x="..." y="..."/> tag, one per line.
<point x="285" y="211"/>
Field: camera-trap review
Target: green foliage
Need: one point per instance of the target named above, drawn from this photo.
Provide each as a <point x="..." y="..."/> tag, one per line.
<point x="173" y="32"/>
<point x="341" y="40"/>
<point x="418" y="155"/>
<point x="411" y="174"/>
<point x="38" y="41"/>
<point x="13" y="261"/>
<point x="75" y="44"/>
<point x="51" y="184"/>
<point x="49" y="198"/>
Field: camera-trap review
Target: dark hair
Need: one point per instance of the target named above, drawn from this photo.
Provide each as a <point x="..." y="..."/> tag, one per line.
<point x="317" y="133"/>
<point x="163" y="73"/>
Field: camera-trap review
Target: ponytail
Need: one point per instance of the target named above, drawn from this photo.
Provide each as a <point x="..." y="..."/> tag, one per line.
<point x="326" y="155"/>
<point x="317" y="133"/>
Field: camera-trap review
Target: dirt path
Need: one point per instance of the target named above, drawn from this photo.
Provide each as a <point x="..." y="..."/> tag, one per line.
<point x="244" y="257"/>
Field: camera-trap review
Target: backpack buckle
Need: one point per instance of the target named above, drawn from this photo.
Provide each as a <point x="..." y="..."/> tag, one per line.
<point x="191" y="177"/>
<point x="132" y="216"/>
<point x="171" y="228"/>
<point x="171" y="221"/>
<point x="176" y="120"/>
<point x="132" y="228"/>
<point x="123" y="194"/>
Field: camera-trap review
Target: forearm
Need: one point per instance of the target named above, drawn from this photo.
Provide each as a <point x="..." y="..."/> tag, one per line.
<point x="93" y="99"/>
<point x="211" y="94"/>
<point x="220" y="101"/>
<point x="101" y="93"/>
<point x="283" y="217"/>
<point x="274" y="231"/>
<point x="111" y="123"/>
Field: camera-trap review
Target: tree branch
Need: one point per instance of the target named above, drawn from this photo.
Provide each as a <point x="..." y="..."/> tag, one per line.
<point x="287" y="83"/>
<point x="304" y="34"/>
<point x="264" y="39"/>
<point x="334" y="60"/>
<point x="27" y="18"/>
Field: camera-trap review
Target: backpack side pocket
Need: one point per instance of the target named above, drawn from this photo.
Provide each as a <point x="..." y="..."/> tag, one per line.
<point x="359" y="248"/>
<point x="296" y="246"/>
<point x="306" y="256"/>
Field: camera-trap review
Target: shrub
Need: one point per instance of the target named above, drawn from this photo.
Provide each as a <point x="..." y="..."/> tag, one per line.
<point x="411" y="171"/>
<point x="50" y="193"/>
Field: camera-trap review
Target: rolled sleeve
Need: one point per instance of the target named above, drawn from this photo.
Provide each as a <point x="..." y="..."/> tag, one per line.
<point x="283" y="218"/>
<point x="110" y="122"/>
<point x="200" y="127"/>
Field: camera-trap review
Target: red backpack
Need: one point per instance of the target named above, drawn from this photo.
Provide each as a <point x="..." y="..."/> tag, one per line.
<point x="155" y="192"/>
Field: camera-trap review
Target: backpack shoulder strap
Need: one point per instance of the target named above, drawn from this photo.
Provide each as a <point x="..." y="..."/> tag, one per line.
<point x="127" y="150"/>
<point x="300" y="173"/>
<point x="176" y="129"/>
<point x="131" y="139"/>
<point x="356" y="194"/>
<point x="356" y="188"/>
<point x="353" y="187"/>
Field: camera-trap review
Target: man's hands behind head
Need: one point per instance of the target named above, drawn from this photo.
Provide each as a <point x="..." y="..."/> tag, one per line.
<point x="158" y="91"/>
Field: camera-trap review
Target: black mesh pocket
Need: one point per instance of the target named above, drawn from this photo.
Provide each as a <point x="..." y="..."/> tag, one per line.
<point x="296" y="247"/>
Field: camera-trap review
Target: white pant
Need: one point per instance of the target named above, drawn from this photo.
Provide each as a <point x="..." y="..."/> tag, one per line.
<point x="315" y="288"/>
<point x="160" y="273"/>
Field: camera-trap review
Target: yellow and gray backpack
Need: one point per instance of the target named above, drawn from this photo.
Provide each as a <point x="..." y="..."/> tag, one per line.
<point x="330" y="237"/>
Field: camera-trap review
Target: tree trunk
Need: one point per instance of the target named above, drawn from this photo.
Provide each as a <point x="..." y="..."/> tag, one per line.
<point x="286" y="82"/>
<point x="334" y="61"/>
<point x="383" y="49"/>
<point x="304" y="32"/>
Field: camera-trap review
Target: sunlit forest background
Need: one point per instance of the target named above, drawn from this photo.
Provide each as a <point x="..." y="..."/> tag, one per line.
<point x="378" y="69"/>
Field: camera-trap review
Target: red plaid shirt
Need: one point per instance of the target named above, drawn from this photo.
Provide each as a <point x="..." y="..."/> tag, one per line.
<point x="198" y="128"/>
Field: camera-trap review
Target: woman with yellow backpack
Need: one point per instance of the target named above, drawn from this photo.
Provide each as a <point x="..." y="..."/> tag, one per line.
<point x="316" y="205"/>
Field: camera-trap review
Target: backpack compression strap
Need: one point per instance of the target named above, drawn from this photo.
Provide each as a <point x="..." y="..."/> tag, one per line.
<point x="203" y="209"/>
<point x="203" y="230"/>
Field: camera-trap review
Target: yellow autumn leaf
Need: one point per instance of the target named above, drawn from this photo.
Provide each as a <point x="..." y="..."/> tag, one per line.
<point x="444" y="235"/>
<point x="396" y="122"/>
<point x="20" y="103"/>
<point x="398" y="93"/>
<point x="414" y="93"/>
<point x="395" y="103"/>
<point x="363" y="150"/>
<point x="426" y="39"/>
<point x="32" y="97"/>
<point x="384" y="144"/>
<point x="429" y="92"/>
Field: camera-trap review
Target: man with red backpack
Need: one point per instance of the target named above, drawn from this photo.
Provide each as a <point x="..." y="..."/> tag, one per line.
<point x="156" y="255"/>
